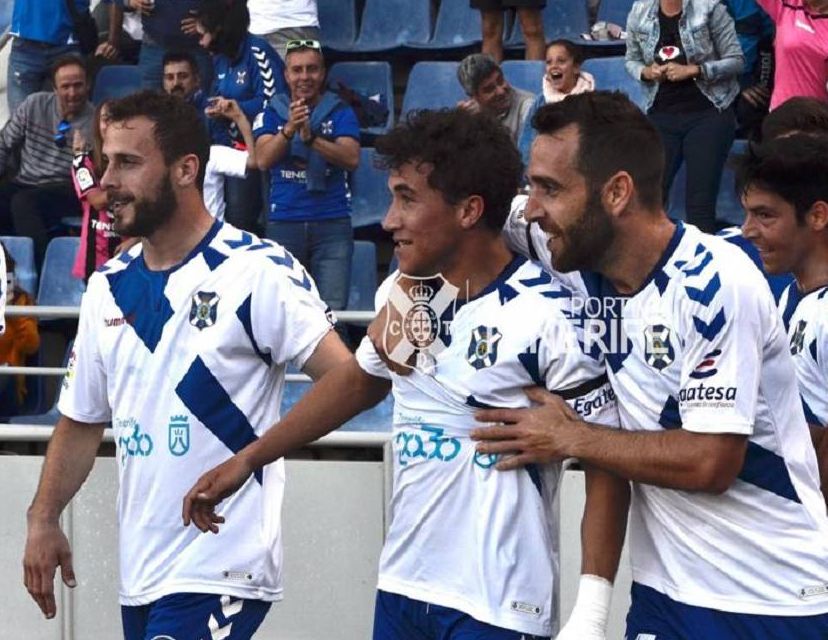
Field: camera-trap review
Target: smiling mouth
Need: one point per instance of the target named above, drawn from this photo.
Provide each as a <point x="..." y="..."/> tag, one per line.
<point x="116" y="204"/>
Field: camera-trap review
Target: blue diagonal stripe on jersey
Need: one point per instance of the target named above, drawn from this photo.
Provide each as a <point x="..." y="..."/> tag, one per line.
<point x="139" y="295"/>
<point x="506" y="293"/>
<point x="766" y="470"/>
<point x="246" y="240"/>
<point x="474" y="402"/>
<point x="213" y="258"/>
<point x="615" y="359"/>
<point x="542" y="279"/>
<point x="244" y="314"/>
<point x="709" y="330"/>
<point x="207" y="400"/>
<point x="701" y="266"/>
<point x="661" y="280"/>
<point x="283" y="261"/>
<point x="812" y="349"/>
<point x="705" y="296"/>
<point x="670" y="417"/>
<point x="534" y="476"/>
<point x="530" y="361"/>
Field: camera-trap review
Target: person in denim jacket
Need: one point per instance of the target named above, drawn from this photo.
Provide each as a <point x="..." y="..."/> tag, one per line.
<point x="687" y="56"/>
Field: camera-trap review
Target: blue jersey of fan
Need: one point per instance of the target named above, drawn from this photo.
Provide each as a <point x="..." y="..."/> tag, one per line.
<point x="806" y="319"/>
<point x="188" y="365"/>
<point x="462" y="534"/>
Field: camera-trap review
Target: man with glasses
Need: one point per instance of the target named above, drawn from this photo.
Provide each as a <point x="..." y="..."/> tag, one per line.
<point x="308" y="142"/>
<point x="33" y="201"/>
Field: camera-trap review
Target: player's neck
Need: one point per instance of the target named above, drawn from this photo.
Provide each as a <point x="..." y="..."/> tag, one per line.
<point x="173" y="242"/>
<point x="636" y="251"/>
<point x="812" y="271"/>
<point x="478" y="264"/>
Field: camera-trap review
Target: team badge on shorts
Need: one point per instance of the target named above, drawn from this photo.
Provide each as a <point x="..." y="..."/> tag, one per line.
<point x="483" y="347"/>
<point x="658" y="350"/>
<point x="204" y="309"/>
<point x="417" y="328"/>
<point x="179" y="435"/>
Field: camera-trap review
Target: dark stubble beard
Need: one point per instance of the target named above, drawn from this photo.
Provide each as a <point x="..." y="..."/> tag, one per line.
<point x="150" y="215"/>
<point x="586" y="241"/>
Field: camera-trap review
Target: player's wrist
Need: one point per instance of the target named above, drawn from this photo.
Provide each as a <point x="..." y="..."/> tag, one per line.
<point x="40" y="516"/>
<point x="592" y="604"/>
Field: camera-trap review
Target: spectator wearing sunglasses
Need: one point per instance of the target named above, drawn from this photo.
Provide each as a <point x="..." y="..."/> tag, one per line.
<point x="33" y="201"/>
<point x="307" y="142"/>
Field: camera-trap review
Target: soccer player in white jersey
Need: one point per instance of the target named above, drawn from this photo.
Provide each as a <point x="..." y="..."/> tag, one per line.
<point x="470" y="553"/>
<point x="182" y="345"/>
<point x="784" y="185"/>
<point x="728" y="530"/>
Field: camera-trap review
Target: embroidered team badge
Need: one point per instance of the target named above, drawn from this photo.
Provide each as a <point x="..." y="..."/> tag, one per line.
<point x="241" y="77"/>
<point x="204" y="309"/>
<point x="798" y="337"/>
<point x="658" y="351"/>
<point x="483" y="347"/>
<point x="178" y="438"/>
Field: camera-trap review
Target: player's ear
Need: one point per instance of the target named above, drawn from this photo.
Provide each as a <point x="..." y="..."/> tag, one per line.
<point x="470" y="211"/>
<point x="817" y="216"/>
<point x="186" y="170"/>
<point x="617" y="193"/>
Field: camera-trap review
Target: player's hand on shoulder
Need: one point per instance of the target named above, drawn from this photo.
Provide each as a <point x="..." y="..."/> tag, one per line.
<point x="214" y="486"/>
<point x="46" y="548"/>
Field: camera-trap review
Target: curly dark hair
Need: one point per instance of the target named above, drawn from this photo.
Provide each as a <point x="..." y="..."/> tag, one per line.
<point x="179" y="129"/>
<point x="471" y="154"/>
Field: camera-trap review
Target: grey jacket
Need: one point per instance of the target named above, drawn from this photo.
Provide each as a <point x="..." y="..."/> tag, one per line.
<point x="709" y="38"/>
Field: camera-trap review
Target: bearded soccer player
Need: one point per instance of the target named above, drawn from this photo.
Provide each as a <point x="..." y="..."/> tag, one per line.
<point x="182" y="345"/>
<point x="728" y="530"/>
<point x="470" y="552"/>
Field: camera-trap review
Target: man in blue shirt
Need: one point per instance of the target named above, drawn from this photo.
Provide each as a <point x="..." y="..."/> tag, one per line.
<point x="42" y="33"/>
<point x="308" y="142"/>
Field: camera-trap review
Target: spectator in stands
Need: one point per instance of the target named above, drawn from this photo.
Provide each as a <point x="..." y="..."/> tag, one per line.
<point x="33" y="202"/>
<point x="529" y="17"/>
<point x="801" y="48"/>
<point x="283" y="21"/>
<point x="19" y="341"/>
<point x="122" y="31"/>
<point x="248" y="71"/>
<point x="98" y="240"/>
<point x="308" y="142"/>
<point x="688" y="58"/>
<point x="563" y="77"/>
<point x="180" y="78"/>
<point x="483" y="81"/>
<point x="797" y="115"/>
<point x="42" y="33"/>
<point x="168" y="25"/>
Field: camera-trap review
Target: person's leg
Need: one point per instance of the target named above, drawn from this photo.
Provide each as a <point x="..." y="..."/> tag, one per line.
<point x="331" y="252"/>
<point x="194" y="616"/>
<point x="279" y="38"/>
<point x="293" y="236"/>
<point x="670" y="128"/>
<point x="531" y="23"/>
<point x="37" y="212"/>
<point x="7" y="192"/>
<point x="706" y="146"/>
<point x="243" y="200"/>
<point x="491" y="20"/>
<point x="27" y="70"/>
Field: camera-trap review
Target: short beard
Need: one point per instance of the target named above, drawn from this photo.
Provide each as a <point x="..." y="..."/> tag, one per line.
<point x="150" y="215"/>
<point x="587" y="240"/>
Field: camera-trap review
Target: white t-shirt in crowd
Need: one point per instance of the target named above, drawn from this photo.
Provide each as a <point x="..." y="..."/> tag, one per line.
<point x="224" y="161"/>
<point x="267" y="16"/>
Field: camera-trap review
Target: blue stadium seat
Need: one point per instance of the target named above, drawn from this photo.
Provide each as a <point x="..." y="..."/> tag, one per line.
<point x="370" y="197"/>
<point x="378" y="418"/>
<point x="22" y="250"/>
<point x="370" y="79"/>
<point x="116" y="81"/>
<point x="58" y="288"/>
<point x="393" y="24"/>
<point x="338" y="23"/>
<point x="50" y="417"/>
<point x="5" y="14"/>
<point x="561" y="19"/>
<point x="728" y="205"/>
<point x="525" y="74"/>
<point x="615" y="11"/>
<point x="432" y="85"/>
<point x="611" y="75"/>
<point x="457" y="27"/>
<point x="363" y="277"/>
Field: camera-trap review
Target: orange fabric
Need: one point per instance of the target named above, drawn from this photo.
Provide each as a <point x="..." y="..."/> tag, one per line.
<point x="20" y="340"/>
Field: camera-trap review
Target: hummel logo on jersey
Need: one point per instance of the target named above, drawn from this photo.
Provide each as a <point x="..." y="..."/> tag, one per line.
<point x="657" y="348"/>
<point x="798" y="337"/>
<point x="204" y="309"/>
<point x="707" y="367"/>
<point x="483" y="347"/>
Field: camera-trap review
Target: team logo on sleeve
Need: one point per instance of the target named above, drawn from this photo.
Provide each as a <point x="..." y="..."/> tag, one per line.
<point x="658" y="350"/>
<point x="204" y="309"/>
<point x="798" y="337"/>
<point x="418" y="320"/>
<point x="179" y="435"/>
<point x="70" y="369"/>
<point x="483" y="347"/>
<point x="85" y="179"/>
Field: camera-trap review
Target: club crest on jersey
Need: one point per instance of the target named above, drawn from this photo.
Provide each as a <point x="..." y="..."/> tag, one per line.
<point x="658" y="350"/>
<point x="798" y="337"/>
<point x="241" y="77"/>
<point x="204" y="309"/>
<point x="483" y="347"/>
<point x="178" y="439"/>
<point x="415" y="328"/>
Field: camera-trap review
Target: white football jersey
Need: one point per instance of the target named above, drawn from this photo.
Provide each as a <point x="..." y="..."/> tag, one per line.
<point x="188" y="364"/>
<point x="704" y="349"/>
<point x="463" y="535"/>
<point x="806" y="319"/>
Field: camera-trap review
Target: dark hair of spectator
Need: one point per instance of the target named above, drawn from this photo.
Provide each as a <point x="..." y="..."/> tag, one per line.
<point x="575" y="52"/>
<point x="178" y="127"/>
<point x="797" y="115"/>
<point x="614" y="135"/>
<point x="470" y="154"/>
<point x="97" y="141"/>
<point x="180" y="56"/>
<point x="67" y="60"/>
<point x="793" y="167"/>
<point x="227" y="21"/>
